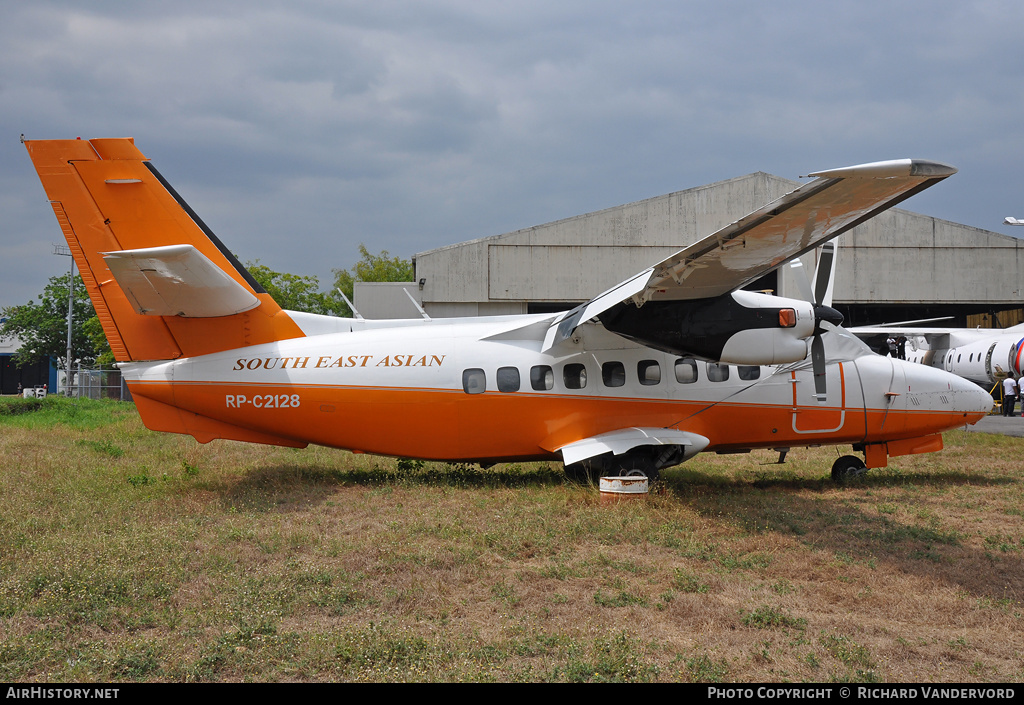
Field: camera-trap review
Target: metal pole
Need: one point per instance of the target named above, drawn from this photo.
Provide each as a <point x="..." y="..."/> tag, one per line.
<point x="71" y="303"/>
<point x="66" y="251"/>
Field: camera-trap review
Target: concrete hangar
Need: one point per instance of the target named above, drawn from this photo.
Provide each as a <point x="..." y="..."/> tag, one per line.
<point x="897" y="266"/>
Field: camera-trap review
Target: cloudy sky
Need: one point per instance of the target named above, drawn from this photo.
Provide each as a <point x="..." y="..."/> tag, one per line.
<point x="300" y="129"/>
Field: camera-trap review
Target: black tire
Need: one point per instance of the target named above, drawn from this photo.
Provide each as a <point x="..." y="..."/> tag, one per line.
<point x="639" y="466"/>
<point x="847" y="468"/>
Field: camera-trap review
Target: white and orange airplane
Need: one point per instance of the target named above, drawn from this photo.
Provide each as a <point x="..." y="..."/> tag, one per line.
<point x="673" y="361"/>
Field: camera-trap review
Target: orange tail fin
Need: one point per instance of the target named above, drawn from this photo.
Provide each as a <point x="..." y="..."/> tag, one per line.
<point x="161" y="282"/>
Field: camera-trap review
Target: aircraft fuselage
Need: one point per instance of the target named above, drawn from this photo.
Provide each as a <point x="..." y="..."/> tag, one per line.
<point x="454" y="390"/>
<point x="982" y="356"/>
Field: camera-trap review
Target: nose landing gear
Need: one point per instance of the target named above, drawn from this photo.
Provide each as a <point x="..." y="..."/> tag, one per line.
<point x="847" y="468"/>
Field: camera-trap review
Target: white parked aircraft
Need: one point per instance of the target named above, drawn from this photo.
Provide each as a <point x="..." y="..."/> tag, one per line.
<point x="982" y="355"/>
<point x="676" y="360"/>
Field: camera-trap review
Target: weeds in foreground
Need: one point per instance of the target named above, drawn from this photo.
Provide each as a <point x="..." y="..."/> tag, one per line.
<point x="133" y="556"/>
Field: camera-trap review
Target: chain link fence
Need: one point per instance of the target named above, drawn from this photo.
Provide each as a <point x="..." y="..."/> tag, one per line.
<point x="97" y="384"/>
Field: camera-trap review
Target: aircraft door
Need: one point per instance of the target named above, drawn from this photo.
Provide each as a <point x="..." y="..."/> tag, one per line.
<point x="840" y="408"/>
<point x="988" y="361"/>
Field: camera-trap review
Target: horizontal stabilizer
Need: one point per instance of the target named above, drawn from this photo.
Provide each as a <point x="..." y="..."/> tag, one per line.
<point x="177" y="280"/>
<point x="626" y="439"/>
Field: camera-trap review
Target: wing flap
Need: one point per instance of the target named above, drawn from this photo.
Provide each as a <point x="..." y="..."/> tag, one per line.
<point x="177" y="280"/>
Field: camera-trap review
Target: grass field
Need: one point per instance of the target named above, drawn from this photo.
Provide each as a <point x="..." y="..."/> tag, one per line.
<point x="127" y="555"/>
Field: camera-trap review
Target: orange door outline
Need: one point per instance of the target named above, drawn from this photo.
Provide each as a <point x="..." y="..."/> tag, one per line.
<point x="824" y="420"/>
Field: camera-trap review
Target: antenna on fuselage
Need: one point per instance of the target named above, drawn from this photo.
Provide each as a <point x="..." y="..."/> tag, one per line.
<point x="351" y="305"/>
<point x="417" y="305"/>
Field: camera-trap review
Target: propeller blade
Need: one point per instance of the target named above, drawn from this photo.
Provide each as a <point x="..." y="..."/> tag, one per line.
<point x="825" y="317"/>
<point x="818" y="365"/>
<point x="824" y="274"/>
<point x="802" y="282"/>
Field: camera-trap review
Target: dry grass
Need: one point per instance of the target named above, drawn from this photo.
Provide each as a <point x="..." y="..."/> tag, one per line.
<point x="134" y="556"/>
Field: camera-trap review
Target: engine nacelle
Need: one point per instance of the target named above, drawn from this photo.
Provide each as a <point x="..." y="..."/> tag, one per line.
<point x="742" y="327"/>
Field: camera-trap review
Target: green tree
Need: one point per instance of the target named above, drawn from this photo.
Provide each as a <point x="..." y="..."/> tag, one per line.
<point x="295" y="292"/>
<point x="373" y="268"/>
<point x="94" y="329"/>
<point x="42" y="327"/>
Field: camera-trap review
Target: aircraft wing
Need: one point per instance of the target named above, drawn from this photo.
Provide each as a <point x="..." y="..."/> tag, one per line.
<point x="934" y="338"/>
<point x="926" y="333"/>
<point x="837" y="200"/>
<point x="917" y="338"/>
<point x="905" y="328"/>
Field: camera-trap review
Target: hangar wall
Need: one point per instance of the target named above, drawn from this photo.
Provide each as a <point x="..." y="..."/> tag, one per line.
<point x="897" y="259"/>
<point x="35" y="375"/>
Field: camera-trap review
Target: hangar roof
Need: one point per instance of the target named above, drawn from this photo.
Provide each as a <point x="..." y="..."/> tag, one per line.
<point x="896" y="257"/>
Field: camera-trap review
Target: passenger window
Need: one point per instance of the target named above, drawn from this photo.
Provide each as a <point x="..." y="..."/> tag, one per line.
<point x="613" y="374"/>
<point x="718" y="372"/>
<point x="474" y="381"/>
<point x="575" y="376"/>
<point x="686" y="370"/>
<point x="748" y="372"/>
<point x="542" y="378"/>
<point x="648" y="372"/>
<point x="508" y="379"/>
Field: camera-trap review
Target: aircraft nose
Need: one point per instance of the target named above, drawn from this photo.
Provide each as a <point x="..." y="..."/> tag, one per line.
<point x="971" y="399"/>
<point x="968" y="398"/>
<point x="966" y="402"/>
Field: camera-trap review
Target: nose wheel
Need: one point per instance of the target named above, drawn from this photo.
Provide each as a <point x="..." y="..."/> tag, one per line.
<point x="847" y="468"/>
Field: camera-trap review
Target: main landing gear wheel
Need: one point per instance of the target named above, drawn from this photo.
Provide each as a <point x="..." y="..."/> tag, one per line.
<point x="639" y="467"/>
<point x="591" y="473"/>
<point x="848" y="467"/>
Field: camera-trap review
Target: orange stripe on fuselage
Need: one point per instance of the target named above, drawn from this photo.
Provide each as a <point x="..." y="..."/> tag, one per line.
<point x="451" y="425"/>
